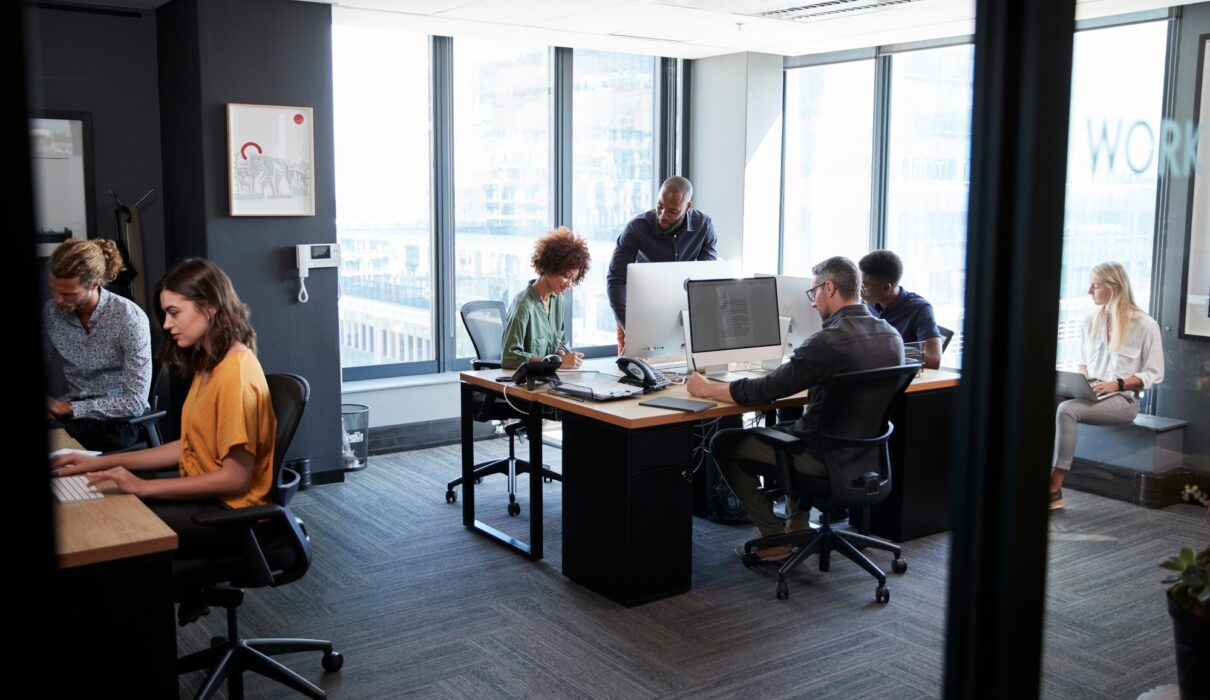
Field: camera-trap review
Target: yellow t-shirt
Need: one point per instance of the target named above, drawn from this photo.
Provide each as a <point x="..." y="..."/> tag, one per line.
<point x="232" y="410"/>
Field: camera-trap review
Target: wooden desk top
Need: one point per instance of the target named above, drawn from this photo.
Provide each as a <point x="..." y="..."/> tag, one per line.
<point x="627" y="413"/>
<point x="117" y="526"/>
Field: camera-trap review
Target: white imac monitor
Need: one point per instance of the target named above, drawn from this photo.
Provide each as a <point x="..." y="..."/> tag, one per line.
<point x="655" y="297"/>
<point x="733" y="321"/>
<point x="792" y="301"/>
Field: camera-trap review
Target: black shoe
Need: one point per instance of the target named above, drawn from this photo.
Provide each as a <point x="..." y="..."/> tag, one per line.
<point x="838" y="515"/>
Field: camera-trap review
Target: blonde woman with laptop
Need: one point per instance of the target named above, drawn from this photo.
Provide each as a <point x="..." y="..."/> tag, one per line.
<point x="1121" y="353"/>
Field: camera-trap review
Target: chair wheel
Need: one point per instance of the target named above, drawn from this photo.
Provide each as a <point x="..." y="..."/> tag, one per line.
<point x="899" y="565"/>
<point x="882" y="594"/>
<point x="451" y="495"/>
<point x="332" y="661"/>
<point x="783" y="590"/>
<point x="750" y="559"/>
<point x="514" y="508"/>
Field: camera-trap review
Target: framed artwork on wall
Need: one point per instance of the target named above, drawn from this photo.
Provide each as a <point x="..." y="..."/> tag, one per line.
<point x="270" y="160"/>
<point x="61" y="159"/>
<point x="1195" y="312"/>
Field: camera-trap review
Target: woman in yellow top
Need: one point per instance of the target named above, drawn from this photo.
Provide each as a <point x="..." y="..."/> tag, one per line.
<point x="225" y="454"/>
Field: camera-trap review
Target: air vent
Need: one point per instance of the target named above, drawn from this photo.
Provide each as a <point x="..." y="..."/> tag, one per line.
<point x="805" y="12"/>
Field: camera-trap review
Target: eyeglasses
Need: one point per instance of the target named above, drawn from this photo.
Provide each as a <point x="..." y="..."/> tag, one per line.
<point x="811" y="291"/>
<point x="865" y="291"/>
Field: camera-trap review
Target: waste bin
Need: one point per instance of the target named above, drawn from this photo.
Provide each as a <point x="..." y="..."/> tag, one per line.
<point x="355" y="445"/>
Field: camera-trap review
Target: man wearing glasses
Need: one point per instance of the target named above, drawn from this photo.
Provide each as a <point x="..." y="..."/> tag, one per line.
<point x="851" y="340"/>
<point x="909" y="313"/>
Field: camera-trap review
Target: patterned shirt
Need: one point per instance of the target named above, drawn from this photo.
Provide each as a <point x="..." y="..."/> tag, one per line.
<point x="107" y="368"/>
<point x="911" y="315"/>
<point x="644" y="241"/>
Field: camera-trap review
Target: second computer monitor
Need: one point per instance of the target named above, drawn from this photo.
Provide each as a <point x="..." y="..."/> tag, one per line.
<point x="655" y="297"/>
<point x="792" y="301"/>
<point x="734" y="320"/>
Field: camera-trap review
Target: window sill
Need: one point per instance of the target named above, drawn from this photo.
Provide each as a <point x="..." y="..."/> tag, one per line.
<point x="363" y="386"/>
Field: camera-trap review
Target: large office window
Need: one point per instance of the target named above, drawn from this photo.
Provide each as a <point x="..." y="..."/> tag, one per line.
<point x="613" y="170"/>
<point x="829" y="113"/>
<point x="382" y="126"/>
<point x="502" y="141"/>
<point x="1112" y="165"/>
<point x="928" y="174"/>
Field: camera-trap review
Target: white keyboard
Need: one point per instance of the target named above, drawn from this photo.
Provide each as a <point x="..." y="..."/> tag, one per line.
<point x="68" y="489"/>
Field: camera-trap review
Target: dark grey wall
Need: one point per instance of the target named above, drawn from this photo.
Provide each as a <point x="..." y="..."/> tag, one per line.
<point x="1185" y="392"/>
<point x="104" y="63"/>
<point x="269" y="52"/>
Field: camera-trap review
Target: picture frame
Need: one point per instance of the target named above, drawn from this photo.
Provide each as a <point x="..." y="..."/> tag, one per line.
<point x="270" y="160"/>
<point x="1195" y="285"/>
<point x="62" y="168"/>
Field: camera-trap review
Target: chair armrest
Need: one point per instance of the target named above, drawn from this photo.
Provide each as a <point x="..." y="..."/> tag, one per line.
<point x="485" y="364"/>
<point x="242" y="521"/>
<point x="834" y="441"/>
<point x="237" y="517"/>
<point x="147" y="417"/>
<point x="775" y="438"/>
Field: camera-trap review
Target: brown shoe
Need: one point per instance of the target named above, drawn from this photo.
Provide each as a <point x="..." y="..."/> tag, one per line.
<point x="777" y="552"/>
<point x="1056" y="500"/>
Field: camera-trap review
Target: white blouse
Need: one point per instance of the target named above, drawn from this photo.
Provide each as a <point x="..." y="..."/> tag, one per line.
<point x="1141" y="353"/>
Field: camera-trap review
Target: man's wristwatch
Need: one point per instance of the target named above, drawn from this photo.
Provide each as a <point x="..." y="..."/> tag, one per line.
<point x="1121" y="384"/>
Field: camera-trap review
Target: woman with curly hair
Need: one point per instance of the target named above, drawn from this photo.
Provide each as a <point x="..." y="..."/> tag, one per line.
<point x="535" y="320"/>
<point x="225" y="454"/>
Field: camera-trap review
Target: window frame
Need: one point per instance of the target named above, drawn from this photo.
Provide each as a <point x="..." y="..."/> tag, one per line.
<point x="670" y="94"/>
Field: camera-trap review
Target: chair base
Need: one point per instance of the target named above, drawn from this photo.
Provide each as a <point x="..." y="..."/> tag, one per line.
<point x="228" y="660"/>
<point x="510" y="466"/>
<point x="823" y="542"/>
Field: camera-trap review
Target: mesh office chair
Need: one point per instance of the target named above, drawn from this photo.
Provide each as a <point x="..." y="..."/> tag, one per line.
<point x="148" y="423"/>
<point x="274" y="550"/>
<point x="854" y="428"/>
<point x="946" y="336"/>
<point x="484" y="321"/>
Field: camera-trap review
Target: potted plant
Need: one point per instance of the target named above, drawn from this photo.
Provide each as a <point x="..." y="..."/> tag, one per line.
<point x="1189" y="606"/>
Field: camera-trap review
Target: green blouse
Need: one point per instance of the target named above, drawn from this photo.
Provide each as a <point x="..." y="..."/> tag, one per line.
<point x="530" y="331"/>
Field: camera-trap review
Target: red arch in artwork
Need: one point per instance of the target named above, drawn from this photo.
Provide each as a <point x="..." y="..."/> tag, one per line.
<point x="244" y="147"/>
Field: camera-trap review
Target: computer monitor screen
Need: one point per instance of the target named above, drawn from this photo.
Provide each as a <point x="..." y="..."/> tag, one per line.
<point x="792" y="302"/>
<point x="655" y="297"/>
<point x="733" y="320"/>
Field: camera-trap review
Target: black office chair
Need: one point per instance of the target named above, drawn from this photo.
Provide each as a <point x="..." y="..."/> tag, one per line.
<point x="946" y="336"/>
<point x="148" y="423"/>
<point x="854" y="427"/>
<point x="274" y="550"/>
<point x="484" y="321"/>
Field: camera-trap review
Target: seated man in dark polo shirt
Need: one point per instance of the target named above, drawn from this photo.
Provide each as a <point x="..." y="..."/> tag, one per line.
<point x="909" y="313"/>
<point x="674" y="231"/>
<point x="851" y="340"/>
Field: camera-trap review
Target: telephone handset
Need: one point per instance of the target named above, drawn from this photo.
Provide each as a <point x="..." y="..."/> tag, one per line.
<point x="639" y="373"/>
<point x="537" y="371"/>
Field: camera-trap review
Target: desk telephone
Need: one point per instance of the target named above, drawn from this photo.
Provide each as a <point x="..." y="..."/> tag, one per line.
<point x="537" y="370"/>
<point x="639" y="373"/>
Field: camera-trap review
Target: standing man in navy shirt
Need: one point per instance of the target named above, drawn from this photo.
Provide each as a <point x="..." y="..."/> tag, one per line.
<point x="909" y="313"/>
<point x="672" y="232"/>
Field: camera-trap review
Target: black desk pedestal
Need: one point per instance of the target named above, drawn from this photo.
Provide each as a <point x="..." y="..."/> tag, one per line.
<point x="116" y="633"/>
<point x="919" y="502"/>
<point x="627" y="509"/>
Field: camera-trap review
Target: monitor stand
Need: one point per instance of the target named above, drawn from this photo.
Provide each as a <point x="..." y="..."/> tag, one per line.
<point x="719" y="373"/>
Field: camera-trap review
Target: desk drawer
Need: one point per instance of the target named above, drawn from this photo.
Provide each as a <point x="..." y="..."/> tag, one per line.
<point x="660" y="447"/>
